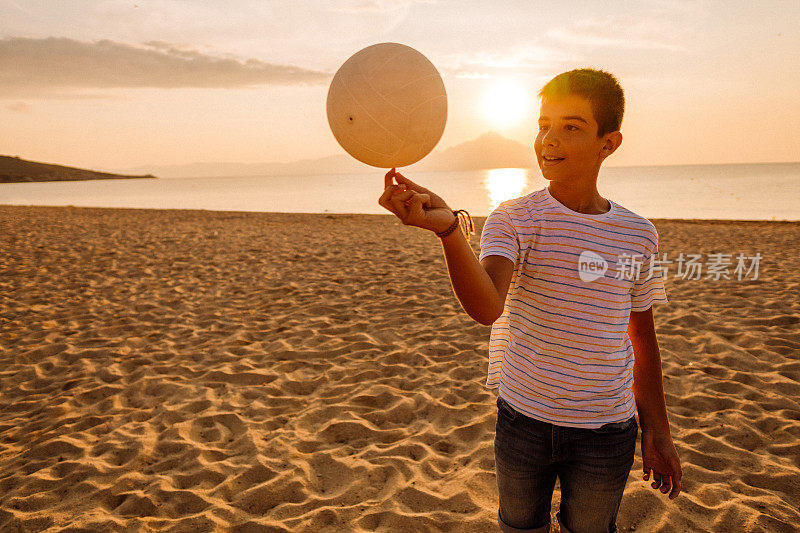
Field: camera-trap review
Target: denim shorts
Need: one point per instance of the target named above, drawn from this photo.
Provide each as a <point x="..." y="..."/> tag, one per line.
<point x="592" y="466"/>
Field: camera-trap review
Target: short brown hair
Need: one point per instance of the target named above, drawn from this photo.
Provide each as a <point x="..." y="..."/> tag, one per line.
<point x="599" y="87"/>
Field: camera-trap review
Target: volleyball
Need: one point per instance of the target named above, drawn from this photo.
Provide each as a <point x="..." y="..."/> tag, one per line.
<point x="387" y="106"/>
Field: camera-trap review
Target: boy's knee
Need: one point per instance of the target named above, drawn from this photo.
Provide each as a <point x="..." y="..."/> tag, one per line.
<point x="507" y="528"/>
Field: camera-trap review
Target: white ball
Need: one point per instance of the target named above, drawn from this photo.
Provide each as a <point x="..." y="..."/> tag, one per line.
<point x="387" y="106"/>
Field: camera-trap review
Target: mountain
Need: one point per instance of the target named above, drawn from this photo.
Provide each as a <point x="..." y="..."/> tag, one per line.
<point x="490" y="150"/>
<point x="14" y="169"/>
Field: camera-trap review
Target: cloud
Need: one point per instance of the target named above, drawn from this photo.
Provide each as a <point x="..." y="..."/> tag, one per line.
<point x="526" y="58"/>
<point x="467" y="75"/>
<point x="43" y="67"/>
<point x="618" y="31"/>
<point x="375" y="6"/>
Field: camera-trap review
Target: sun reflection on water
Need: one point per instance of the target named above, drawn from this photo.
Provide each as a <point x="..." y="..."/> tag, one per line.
<point x="504" y="184"/>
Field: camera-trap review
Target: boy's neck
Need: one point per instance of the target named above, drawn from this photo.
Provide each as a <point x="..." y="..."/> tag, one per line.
<point x="580" y="197"/>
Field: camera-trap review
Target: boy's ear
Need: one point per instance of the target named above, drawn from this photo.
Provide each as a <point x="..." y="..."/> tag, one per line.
<point x="612" y="142"/>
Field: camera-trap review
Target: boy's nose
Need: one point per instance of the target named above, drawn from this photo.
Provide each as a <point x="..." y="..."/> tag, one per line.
<point x="549" y="139"/>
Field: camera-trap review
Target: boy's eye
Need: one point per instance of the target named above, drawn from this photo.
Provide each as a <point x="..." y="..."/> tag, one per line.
<point x="571" y="126"/>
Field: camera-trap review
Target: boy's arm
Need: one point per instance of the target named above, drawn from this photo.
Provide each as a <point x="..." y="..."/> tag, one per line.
<point x="648" y="386"/>
<point x="658" y="451"/>
<point x="481" y="287"/>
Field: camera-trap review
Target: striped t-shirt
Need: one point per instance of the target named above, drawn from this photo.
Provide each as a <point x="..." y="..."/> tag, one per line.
<point x="560" y="352"/>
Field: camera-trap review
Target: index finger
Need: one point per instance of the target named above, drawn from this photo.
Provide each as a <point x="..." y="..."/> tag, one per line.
<point x="387" y="179"/>
<point x="402" y="180"/>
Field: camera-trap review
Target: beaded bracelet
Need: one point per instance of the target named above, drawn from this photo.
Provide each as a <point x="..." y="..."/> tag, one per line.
<point x="461" y="217"/>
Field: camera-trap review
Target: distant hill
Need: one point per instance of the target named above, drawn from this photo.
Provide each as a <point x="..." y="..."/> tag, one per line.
<point x="14" y="169"/>
<point x="490" y="150"/>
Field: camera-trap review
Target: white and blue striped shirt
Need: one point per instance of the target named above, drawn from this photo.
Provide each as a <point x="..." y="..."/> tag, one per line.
<point x="560" y="352"/>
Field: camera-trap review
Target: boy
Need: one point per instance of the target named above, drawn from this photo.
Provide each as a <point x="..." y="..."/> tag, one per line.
<point x="573" y="348"/>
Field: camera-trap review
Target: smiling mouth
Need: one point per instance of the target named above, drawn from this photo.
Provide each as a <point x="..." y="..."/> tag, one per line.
<point x="551" y="160"/>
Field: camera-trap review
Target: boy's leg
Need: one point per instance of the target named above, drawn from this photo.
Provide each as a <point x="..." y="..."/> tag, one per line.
<point x="593" y="475"/>
<point x="525" y="473"/>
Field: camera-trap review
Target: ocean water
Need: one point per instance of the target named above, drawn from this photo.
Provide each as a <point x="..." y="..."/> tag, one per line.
<point x="762" y="191"/>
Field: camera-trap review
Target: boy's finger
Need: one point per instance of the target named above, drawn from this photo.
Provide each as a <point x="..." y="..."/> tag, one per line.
<point x="400" y="208"/>
<point x="400" y="188"/>
<point x="411" y="198"/>
<point x="410" y="184"/>
<point x="676" y="483"/>
<point x="383" y="201"/>
<point x="387" y="179"/>
<point x="676" y="488"/>
<point x="415" y="204"/>
<point x="403" y="196"/>
<point x="656" y="480"/>
<point x="667" y="484"/>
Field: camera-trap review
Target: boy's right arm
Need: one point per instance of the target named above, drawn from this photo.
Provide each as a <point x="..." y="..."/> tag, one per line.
<point x="481" y="287"/>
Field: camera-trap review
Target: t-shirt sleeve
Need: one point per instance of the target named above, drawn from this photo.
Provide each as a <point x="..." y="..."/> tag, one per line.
<point x="499" y="236"/>
<point x="648" y="287"/>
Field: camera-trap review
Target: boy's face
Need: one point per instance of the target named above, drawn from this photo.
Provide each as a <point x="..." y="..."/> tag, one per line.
<point x="568" y="131"/>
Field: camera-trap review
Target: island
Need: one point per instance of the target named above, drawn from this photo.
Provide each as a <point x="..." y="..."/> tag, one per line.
<point x="15" y="170"/>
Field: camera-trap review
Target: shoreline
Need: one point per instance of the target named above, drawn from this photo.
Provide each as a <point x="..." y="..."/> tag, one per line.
<point x="482" y="217"/>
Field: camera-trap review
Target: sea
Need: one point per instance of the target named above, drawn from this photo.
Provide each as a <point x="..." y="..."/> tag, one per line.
<point x="758" y="191"/>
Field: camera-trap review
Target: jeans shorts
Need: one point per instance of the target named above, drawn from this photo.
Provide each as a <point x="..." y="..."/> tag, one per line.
<point x="592" y="465"/>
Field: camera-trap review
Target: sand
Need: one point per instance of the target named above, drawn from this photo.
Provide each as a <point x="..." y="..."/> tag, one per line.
<point x="219" y="371"/>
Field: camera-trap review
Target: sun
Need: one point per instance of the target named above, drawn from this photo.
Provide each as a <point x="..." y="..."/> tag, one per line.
<point x="505" y="103"/>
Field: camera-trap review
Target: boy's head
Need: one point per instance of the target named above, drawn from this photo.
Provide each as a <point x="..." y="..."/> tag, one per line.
<point x="600" y="88"/>
<point x="580" y="116"/>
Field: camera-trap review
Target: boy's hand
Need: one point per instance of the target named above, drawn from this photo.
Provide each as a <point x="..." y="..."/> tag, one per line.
<point x="660" y="455"/>
<point x="415" y="205"/>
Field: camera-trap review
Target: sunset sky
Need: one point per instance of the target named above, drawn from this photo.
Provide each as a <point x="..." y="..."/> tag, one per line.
<point x="110" y="84"/>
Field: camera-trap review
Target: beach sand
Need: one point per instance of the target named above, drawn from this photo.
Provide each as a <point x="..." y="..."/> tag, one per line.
<point x="201" y="371"/>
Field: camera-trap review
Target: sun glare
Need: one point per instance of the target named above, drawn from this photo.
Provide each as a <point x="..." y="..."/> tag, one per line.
<point x="505" y="103"/>
<point x="504" y="184"/>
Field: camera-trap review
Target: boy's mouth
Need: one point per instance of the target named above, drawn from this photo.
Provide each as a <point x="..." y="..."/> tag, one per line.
<point x="547" y="160"/>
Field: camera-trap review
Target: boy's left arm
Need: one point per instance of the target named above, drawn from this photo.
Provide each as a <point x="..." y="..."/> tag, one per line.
<point x="658" y="451"/>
